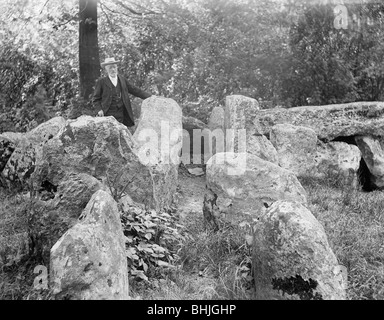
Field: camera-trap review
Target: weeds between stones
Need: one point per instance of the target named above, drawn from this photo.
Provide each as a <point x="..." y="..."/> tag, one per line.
<point x="215" y="265"/>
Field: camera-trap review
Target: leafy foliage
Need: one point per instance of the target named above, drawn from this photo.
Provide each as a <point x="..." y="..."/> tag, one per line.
<point x="37" y="65"/>
<point x="328" y="65"/>
<point x="152" y="241"/>
<point x="152" y="238"/>
<point x="281" y="51"/>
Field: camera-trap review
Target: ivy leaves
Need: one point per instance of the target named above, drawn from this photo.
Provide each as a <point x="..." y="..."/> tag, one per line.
<point x="152" y="240"/>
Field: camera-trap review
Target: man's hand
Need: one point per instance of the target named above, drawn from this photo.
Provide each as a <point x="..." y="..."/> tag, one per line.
<point x="100" y="113"/>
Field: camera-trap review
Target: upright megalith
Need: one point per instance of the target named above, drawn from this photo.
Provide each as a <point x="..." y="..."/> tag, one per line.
<point x="291" y="256"/>
<point x="239" y="187"/>
<point x="373" y="154"/>
<point x="89" y="261"/>
<point x="158" y="142"/>
<point x="239" y="114"/>
<point x="159" y="132"/>
<point x="57" y="208"/>
<point x="240" y="111"/>
<point x="240" y="133"/>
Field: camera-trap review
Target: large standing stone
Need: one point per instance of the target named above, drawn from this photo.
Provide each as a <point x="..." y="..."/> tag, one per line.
<point x="337" y="160"/>
<point x="89" y="261"/>
<point x="292" y="258"/>
<point x="295" y="146"/>
<point x="328" y="121"/>
<point x="373" y="155"/>
<point x="58" y="208"/>
<point x="240" y="112"/>
<point x="240" y="187"/>
<point x="159" y="140"/>
<point x="21" y="163"/>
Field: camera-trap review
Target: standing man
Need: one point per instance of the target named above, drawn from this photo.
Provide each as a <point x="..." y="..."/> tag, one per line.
<point x="111" y="95"/>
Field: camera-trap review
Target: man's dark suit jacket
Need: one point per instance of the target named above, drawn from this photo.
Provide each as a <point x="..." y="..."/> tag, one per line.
<point x="102" y="97"/>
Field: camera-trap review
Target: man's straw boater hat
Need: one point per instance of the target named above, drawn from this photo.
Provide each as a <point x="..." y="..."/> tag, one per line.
<point x="109" y="61"/>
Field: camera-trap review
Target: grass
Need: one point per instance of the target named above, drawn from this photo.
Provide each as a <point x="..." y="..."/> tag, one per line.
<point x="216" y="265"/>
<point x="212" y="265"/>
<point x="354" y="223"/>
<point x="13" y="228"/>
<point x="16" y="268"/>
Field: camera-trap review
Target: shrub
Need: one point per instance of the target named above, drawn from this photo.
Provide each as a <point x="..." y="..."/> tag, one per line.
<point x="32" y="89"/>
<point x="152" y="240"/>
<point x="201" y="109"/>
<point x="17" y="76"/>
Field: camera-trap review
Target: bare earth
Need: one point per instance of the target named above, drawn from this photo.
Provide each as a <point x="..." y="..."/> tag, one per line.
<point x="191" y="194"/>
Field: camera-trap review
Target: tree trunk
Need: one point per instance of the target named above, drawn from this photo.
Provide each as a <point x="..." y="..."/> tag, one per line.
<point x="89" y="63"/>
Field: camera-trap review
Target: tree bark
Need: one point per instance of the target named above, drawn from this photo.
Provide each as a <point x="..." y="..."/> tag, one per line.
<point x="89" y="62"/>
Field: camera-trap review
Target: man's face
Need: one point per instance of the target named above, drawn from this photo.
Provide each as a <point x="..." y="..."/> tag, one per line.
<point x="111" y="70"/>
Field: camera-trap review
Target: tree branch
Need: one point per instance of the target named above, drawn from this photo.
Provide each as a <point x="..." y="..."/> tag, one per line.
<point x="46" y="2"/>
<point x="113" y="11"/>
<point x="134" y="11"/>
<point x="106" y="15"/>
<point x="142" y="8"/>
<point x="71" y="18"/>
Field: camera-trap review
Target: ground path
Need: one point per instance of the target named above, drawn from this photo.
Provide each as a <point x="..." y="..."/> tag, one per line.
<point x="191" y="194"/>
<point x="192" y="283"/>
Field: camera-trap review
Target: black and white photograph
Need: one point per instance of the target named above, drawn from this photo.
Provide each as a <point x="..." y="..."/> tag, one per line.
<point x="192" y="157"/>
